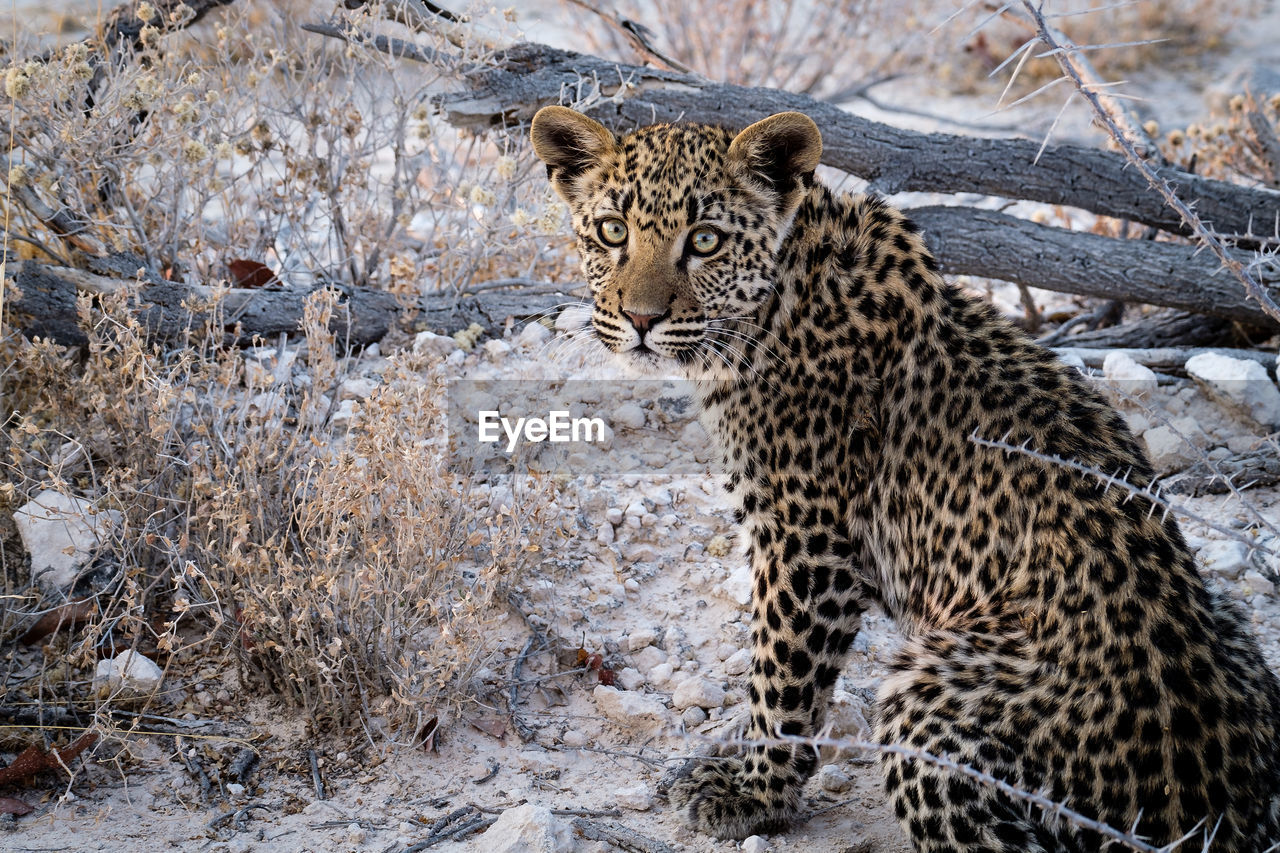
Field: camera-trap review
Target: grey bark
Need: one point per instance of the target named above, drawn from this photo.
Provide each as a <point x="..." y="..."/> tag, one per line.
<point x="995" y="245"/>
<point x="1159" y="329"/>
<point x="529" y="76"/>
<point x="47" y="308"/>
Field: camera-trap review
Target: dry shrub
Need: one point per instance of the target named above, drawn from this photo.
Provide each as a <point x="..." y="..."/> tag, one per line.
<point x="340" y="567"/>
<point x="1242" y="146"/>
<point x="831" y="48"/>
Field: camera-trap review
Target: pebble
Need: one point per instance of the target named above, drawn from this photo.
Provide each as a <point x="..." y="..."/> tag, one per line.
<point x="1228" y="558"/>
<point x="755" y="844"/>
<point x="697" y="692"/>
<point x="613" y="515"/>
<point x="647" y="658"/>
<point x="636" y="797"/>
<point x="526" y="829"/>
<point x="738" y="663"/>
<point x="574" y="737"/>
<point x="641" y="637"/>
<point x="1129" y="377"/>
<point x="356" y="834"/>
<point x="532" y="336"/>
<point x="429" y="343"/>
<point x="1238" y="384"/>
<point x="737" y="587"/>
<point x="1258" y="582"/>
<point x="605" y="534"/>
<point x="1167" y="450"/>
<point x="693" y="717"/>
<point x="356" y="388"/>
<point x="235" y="789"/>
<point x="630" y="678"/>
<point x="629" y="415"/>
<point x="831" y="778"/>
<point x="496" y="350"/>
<point x="628" y="707"/>
<point x="660" y="675"/>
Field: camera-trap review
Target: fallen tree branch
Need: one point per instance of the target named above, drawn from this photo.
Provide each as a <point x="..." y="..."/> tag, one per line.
<point x="1192" y="220"/>
<point x="996" y="245"/>
<point x="172" y="310"/>
<point x="526" y="77"/>
<point x="1167" y="359"/>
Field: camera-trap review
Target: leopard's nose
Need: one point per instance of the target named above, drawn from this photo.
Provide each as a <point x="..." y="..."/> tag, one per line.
<point x="642" y="322"/>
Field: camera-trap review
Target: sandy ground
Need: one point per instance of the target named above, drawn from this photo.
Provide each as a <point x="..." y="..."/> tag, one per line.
<point x="659" y="593"/>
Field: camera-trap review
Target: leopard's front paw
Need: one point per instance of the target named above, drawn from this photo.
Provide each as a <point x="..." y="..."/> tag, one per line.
<point x="717" y="797"/>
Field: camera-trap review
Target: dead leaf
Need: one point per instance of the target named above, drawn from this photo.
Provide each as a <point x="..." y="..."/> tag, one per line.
<point x="245" y="273"/>
<point x="492" y="726"/>
<point x="9" y="805"/>
<point x="64" y="616"/>
<point x="427" y="734"/>
<point x="34" y="759"/>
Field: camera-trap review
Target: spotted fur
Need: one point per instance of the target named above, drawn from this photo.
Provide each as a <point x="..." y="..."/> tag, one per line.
<point x="1056" y="634"/>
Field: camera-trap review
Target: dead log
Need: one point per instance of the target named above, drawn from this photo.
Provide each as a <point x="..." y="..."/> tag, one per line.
<point x="995" y="245"/>
<point x="1160" y="329"/>
<point x="528" y="76"/>
<point x="173" y="311"/>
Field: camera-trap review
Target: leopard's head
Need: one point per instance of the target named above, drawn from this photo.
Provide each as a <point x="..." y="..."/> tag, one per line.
<point x="678" y="225"/>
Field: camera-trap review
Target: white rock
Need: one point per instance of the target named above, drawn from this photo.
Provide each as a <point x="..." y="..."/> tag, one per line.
<point x="60" y="533"/>
<point x="1241" y="444"/>
<point x="737" y="587"/>
<point x="356" y="834"/>
<point x="629" y="708"/>
<point x="660" y="675"/>
<point x="641" y="637"/>
<point x="642" y="552"/>
<point x="1138" y="423"/>
<point x="575" y="318"/>
<point x="533" y="336"/>
<point x="526" y="829"/>
<point x="429" y="343"/>
<point x="648" y="657"/>
<point x="1227" y="558"/>
<point x="356" y="388"/>
<point x="613" y="515"/>
<point x="693" y="717"/>
<point x="604" y="535"/>
<point x="1258" y="582"/>
<point x="574" y="737"/>
<point x="1127" y="376"/>
<point x="832" y="778"/>
<point x="738" y="663"/>
<point x="697" y="692"/>
<point x="755" y="844"/>
<point x="629" y="415"/>
<point x="346" y="415"/>
<point x="636" y="797"/>
<point x="129" y="672"/>
<point x="630" y="678"/>
<point x="1167" y="450"/>
<point x="1239" y="384"/>
<point x="496" y="350"/>
<point x="846" y="715"/>
<point x="235" y="789"/>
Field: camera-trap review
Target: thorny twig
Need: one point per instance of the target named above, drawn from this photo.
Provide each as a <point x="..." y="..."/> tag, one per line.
<point x="1062" y="50"/>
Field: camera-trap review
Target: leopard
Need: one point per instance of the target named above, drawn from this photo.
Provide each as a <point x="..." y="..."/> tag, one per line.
<point x="1063" y="673"/>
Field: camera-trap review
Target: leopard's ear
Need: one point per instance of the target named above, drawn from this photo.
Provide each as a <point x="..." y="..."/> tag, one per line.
<point x="780" y="152"/>
<point x="569" y="143"/>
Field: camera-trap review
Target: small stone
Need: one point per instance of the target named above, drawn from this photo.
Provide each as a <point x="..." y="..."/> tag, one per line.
<point x="533" y="336"/>
<point x="1128" y="377"/>
<point x="526" y="829"/>
<point x="719" y="546"/>
<point x="1238" y="384"/>
<point x="130" y="673"/>
<point x="641" y="637"/>
<point x="429" y="343"/>
<point x="1242" y="444"/>
<point x="737" y="587"/>
<point x="631" y="585"/>
<point x="356" y="834"/>
<point x="605" y="534"/>
<point x="1258" y="582"/>
<point x="831" y="778"/>
<point x="648" y="657"/>
<point x="1137" y="422"/>
<point x="629" y="678"/>
<point x="635" y="509"/>
<point x="629" y="415"/>
<point x="636" y="797"/>
<point x="693" y="717"/>
<point x="641" y="552"/>
<point x="846" y="714"/>
<point x="755" y="844"/>
<point x="235" y="789"/>
<point x="60" y="533"/>
<point x="356" y="388"/>
<point x="574" y="737"/>
<point x="613" y="515"/>
<point x="496" y="350"/>
<point x="1167" y="450"/>
<point x="738" y="663"/>
<point x="697" y="692"/>
<point x="660" y="675"/>
<point x="628" y="707"/>
<point x="1227" y="558"/>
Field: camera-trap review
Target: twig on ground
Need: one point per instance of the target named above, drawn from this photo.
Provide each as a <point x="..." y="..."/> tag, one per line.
<point x="494" y="767"/>
<point x="238" y="816"/>
<point x="195" y="769"/>
<point x="316" y="779"/>
<point x="444" y="828"/>
<point x="619" y="836"/>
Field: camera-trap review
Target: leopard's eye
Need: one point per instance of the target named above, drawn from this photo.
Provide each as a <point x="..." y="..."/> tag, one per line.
<point x="613" y="232"/>
<point x="704" y="241"/>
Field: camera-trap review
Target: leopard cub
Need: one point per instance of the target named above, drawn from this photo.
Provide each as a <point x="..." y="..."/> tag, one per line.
<point x="1055" y="634"/>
